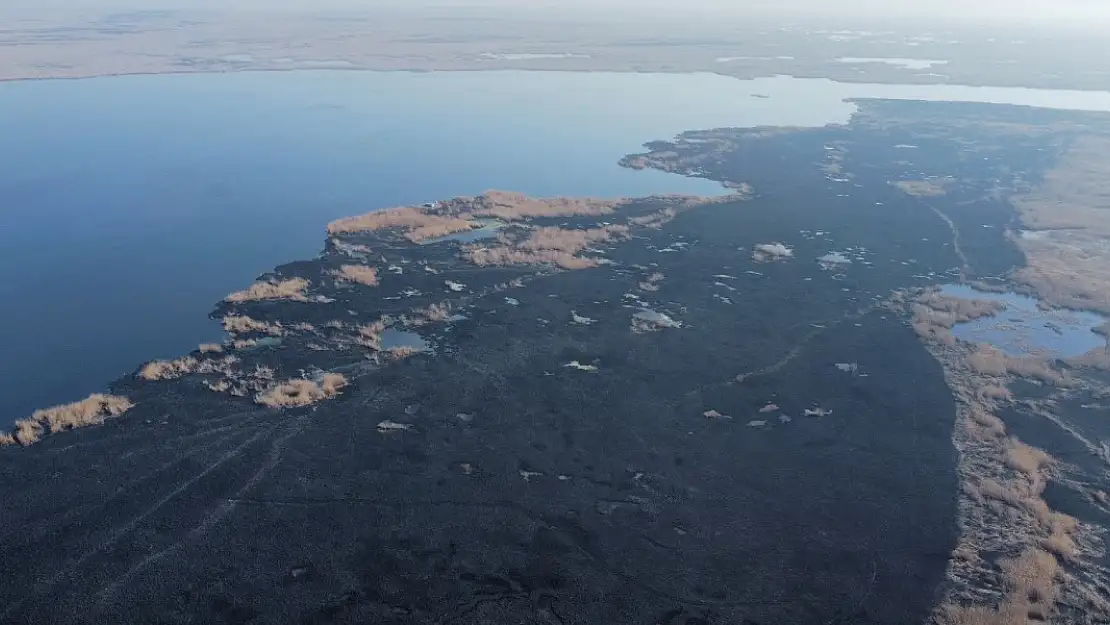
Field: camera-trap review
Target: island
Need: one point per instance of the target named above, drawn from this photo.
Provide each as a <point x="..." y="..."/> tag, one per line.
<point x="767" y="406"/>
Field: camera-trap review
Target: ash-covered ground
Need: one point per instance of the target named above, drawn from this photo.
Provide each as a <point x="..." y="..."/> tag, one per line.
<point x="662" y="410"/>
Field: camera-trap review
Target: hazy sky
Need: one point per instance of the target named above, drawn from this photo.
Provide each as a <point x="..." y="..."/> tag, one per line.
<point x="1028" y="11"/>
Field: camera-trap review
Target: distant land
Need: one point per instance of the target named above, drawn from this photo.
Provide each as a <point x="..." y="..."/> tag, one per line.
<point x="75" y="44"/>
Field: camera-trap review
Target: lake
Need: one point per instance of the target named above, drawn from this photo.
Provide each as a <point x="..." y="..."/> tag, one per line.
<point x="130" y="205"/>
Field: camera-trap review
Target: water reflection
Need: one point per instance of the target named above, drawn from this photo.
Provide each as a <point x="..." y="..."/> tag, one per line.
<point x="1026" y="328"/>
<point x="394" y="338"/>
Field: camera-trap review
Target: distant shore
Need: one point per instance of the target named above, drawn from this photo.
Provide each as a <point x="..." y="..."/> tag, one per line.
<point x="771" y="70"/>
<point x="88" y="45"/>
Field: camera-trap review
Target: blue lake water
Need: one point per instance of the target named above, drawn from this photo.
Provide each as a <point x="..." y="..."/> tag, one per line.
<point x="130" y="205"/>
<point x="1025" y="328"/>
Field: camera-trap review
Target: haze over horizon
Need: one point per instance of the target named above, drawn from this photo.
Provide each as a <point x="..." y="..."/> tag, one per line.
<point x="1026" y="12"/>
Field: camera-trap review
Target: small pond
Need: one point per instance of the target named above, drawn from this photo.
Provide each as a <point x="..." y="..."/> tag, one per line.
<point x="1025" y="328"/>
<point x="392" y="337"/>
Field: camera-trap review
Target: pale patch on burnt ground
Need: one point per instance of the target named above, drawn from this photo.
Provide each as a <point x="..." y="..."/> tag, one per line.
<point x="768" y="252"/>
<point x="242" y="324"/>
<point x="359" y="274"/>
<point x="92" y="410"/>
<point x="293" y="289"/>
<point x="170" y="369"/>
<point x="546" y="246"/>
<point x="301" y="392"/>
<point x="651" y="283"/>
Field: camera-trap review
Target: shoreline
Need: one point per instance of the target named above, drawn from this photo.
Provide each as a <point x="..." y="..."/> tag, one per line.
<point x="852" y="99"/>
<point x="749" y="76"/>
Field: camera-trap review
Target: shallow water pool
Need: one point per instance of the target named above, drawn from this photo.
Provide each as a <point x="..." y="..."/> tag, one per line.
<point x="1025" y="328"/>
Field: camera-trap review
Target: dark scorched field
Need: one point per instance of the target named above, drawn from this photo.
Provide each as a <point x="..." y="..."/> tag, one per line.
<point x="546" y="463"/>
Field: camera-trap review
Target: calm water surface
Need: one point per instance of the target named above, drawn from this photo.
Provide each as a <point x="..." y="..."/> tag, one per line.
<point x="129" y="205"/>
<point x="1025" y="328"/>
